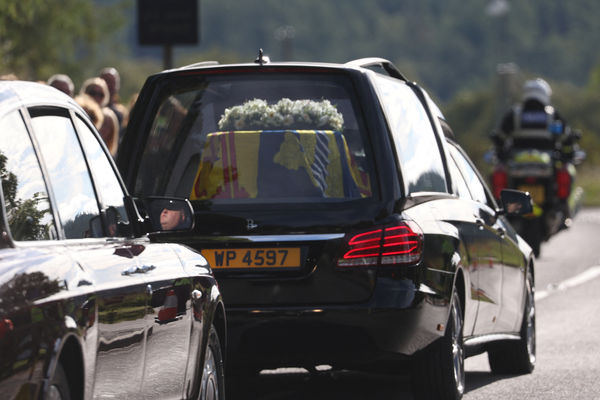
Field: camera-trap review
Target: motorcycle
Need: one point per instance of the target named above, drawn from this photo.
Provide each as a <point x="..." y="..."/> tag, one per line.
<point x="549" y="176"/>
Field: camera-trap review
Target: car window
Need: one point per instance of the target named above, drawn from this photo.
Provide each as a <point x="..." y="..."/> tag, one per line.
<point x="110" y="192"/>
<point x="414" y="138"/>
<point x="459" y="186"/>
<point x="25" y="196"/>
<point x="474" y="183"/>
<point x="249" y="139"/>
<point x="68" y="174"/>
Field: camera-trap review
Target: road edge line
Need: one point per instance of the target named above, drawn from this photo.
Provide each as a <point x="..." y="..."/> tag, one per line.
<point x="585" y="276"/>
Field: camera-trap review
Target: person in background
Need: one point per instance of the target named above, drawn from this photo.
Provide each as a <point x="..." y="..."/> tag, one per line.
<point x="63" y="83"/>
<point x="9" y="77"/>
<point x="537" y="151"/>
<point x="97" y="89"/>
<point x="534" y="123"/>
<point x="113" y="81"/>
<point x="92" y="109"/>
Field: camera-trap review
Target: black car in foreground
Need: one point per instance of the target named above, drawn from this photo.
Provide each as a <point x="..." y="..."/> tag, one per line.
<point x="90" y="305"/>
<point x="343" y="225"/>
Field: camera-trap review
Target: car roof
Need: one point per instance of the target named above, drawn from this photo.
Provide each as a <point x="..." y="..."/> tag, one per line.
<point x="14" y="94"/>
<point x="376" y="64"/>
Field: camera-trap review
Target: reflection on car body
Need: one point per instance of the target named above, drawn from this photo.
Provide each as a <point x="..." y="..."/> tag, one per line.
<point x="90" y="307"/>
<point x="345" y="228"/>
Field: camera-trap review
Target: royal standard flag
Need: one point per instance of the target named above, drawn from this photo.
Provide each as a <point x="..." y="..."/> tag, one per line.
<point x="278" y="164"/>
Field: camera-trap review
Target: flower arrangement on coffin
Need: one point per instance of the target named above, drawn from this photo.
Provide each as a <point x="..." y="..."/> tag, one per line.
<point x="257" y="114"/>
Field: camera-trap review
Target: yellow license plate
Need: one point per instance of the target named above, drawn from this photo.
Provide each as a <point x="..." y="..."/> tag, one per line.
<point x="286" y="257"/>
<point x="537" y="192"/>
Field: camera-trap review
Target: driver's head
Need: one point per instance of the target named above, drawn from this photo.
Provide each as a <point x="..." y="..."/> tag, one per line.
<point x="171" y="216"/>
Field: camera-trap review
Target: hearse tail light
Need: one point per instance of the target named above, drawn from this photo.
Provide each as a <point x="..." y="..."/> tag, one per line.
<point x="401" y="243"/>
<point x="363" y="249"/>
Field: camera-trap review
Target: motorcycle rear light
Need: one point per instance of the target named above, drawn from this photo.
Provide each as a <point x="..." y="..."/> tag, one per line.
<point x="401" y="243"/>
<point x="530" y="180"/>
<point x="563" y="183"/>
<point x="499" y="181"/>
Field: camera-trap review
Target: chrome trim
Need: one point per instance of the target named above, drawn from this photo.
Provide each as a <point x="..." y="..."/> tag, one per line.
<point x="426" y="289"/>
<point x="478" y="340"/>
<point x="281" y="238"/>
<point x="250" y="224"/>
<point x="441" y="271"/>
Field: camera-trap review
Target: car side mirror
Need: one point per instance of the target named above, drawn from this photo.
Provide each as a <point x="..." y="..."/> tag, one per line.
<point x="515" y="202"/>
<point x="167" y="214"/>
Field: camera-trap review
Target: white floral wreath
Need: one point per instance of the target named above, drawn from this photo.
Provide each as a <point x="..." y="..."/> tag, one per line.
<point x="257" y="114"/>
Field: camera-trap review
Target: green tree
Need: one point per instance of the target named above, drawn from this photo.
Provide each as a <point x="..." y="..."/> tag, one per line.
<point x="472" y="116"/>
<point x="24" y="216"/>
<point x="41" y="37"/>
<point x="9" y="183"/>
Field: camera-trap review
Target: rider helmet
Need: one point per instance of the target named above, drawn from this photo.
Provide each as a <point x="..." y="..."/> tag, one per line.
<point x="537" y="89"/>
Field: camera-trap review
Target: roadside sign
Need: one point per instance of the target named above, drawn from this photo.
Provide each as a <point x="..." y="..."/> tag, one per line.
<point x="167" y="22"/>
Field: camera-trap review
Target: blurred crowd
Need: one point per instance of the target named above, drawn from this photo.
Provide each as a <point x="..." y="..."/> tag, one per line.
<point x="99" y="97"/>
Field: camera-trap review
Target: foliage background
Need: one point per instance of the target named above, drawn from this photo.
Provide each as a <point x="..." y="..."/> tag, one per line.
<point x="452" y="47"/>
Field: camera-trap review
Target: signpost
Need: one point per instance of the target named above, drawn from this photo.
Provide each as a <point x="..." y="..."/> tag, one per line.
<point x="167" y="23"/>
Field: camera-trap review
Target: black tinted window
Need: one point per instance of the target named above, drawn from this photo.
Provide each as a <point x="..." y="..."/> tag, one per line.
<point x="256" y="138"/>
<point x="414" y="138"/>
<point x="459" y="186"/>
<point x="68" y="173"/>
<point x="25" y="197"/>
<point x="475" y="185"/>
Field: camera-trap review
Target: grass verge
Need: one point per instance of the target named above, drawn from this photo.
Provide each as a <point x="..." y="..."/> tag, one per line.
<point x="588" y="177"/>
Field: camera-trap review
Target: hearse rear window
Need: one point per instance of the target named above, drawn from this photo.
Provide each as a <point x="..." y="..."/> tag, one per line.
<point x="256" y="138"/>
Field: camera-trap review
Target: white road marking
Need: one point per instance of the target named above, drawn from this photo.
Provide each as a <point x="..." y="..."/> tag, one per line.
<point x="585" y="276"/>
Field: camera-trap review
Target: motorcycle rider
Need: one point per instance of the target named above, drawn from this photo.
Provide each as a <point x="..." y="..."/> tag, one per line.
<point x="534" y="123"/>
<point x="535" y="143"/>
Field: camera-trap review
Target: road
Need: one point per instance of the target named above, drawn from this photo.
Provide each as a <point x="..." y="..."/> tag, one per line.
<point x="568" y="349"/>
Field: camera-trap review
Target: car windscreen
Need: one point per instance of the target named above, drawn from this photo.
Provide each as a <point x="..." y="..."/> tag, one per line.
<point x="256" y="138"/>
